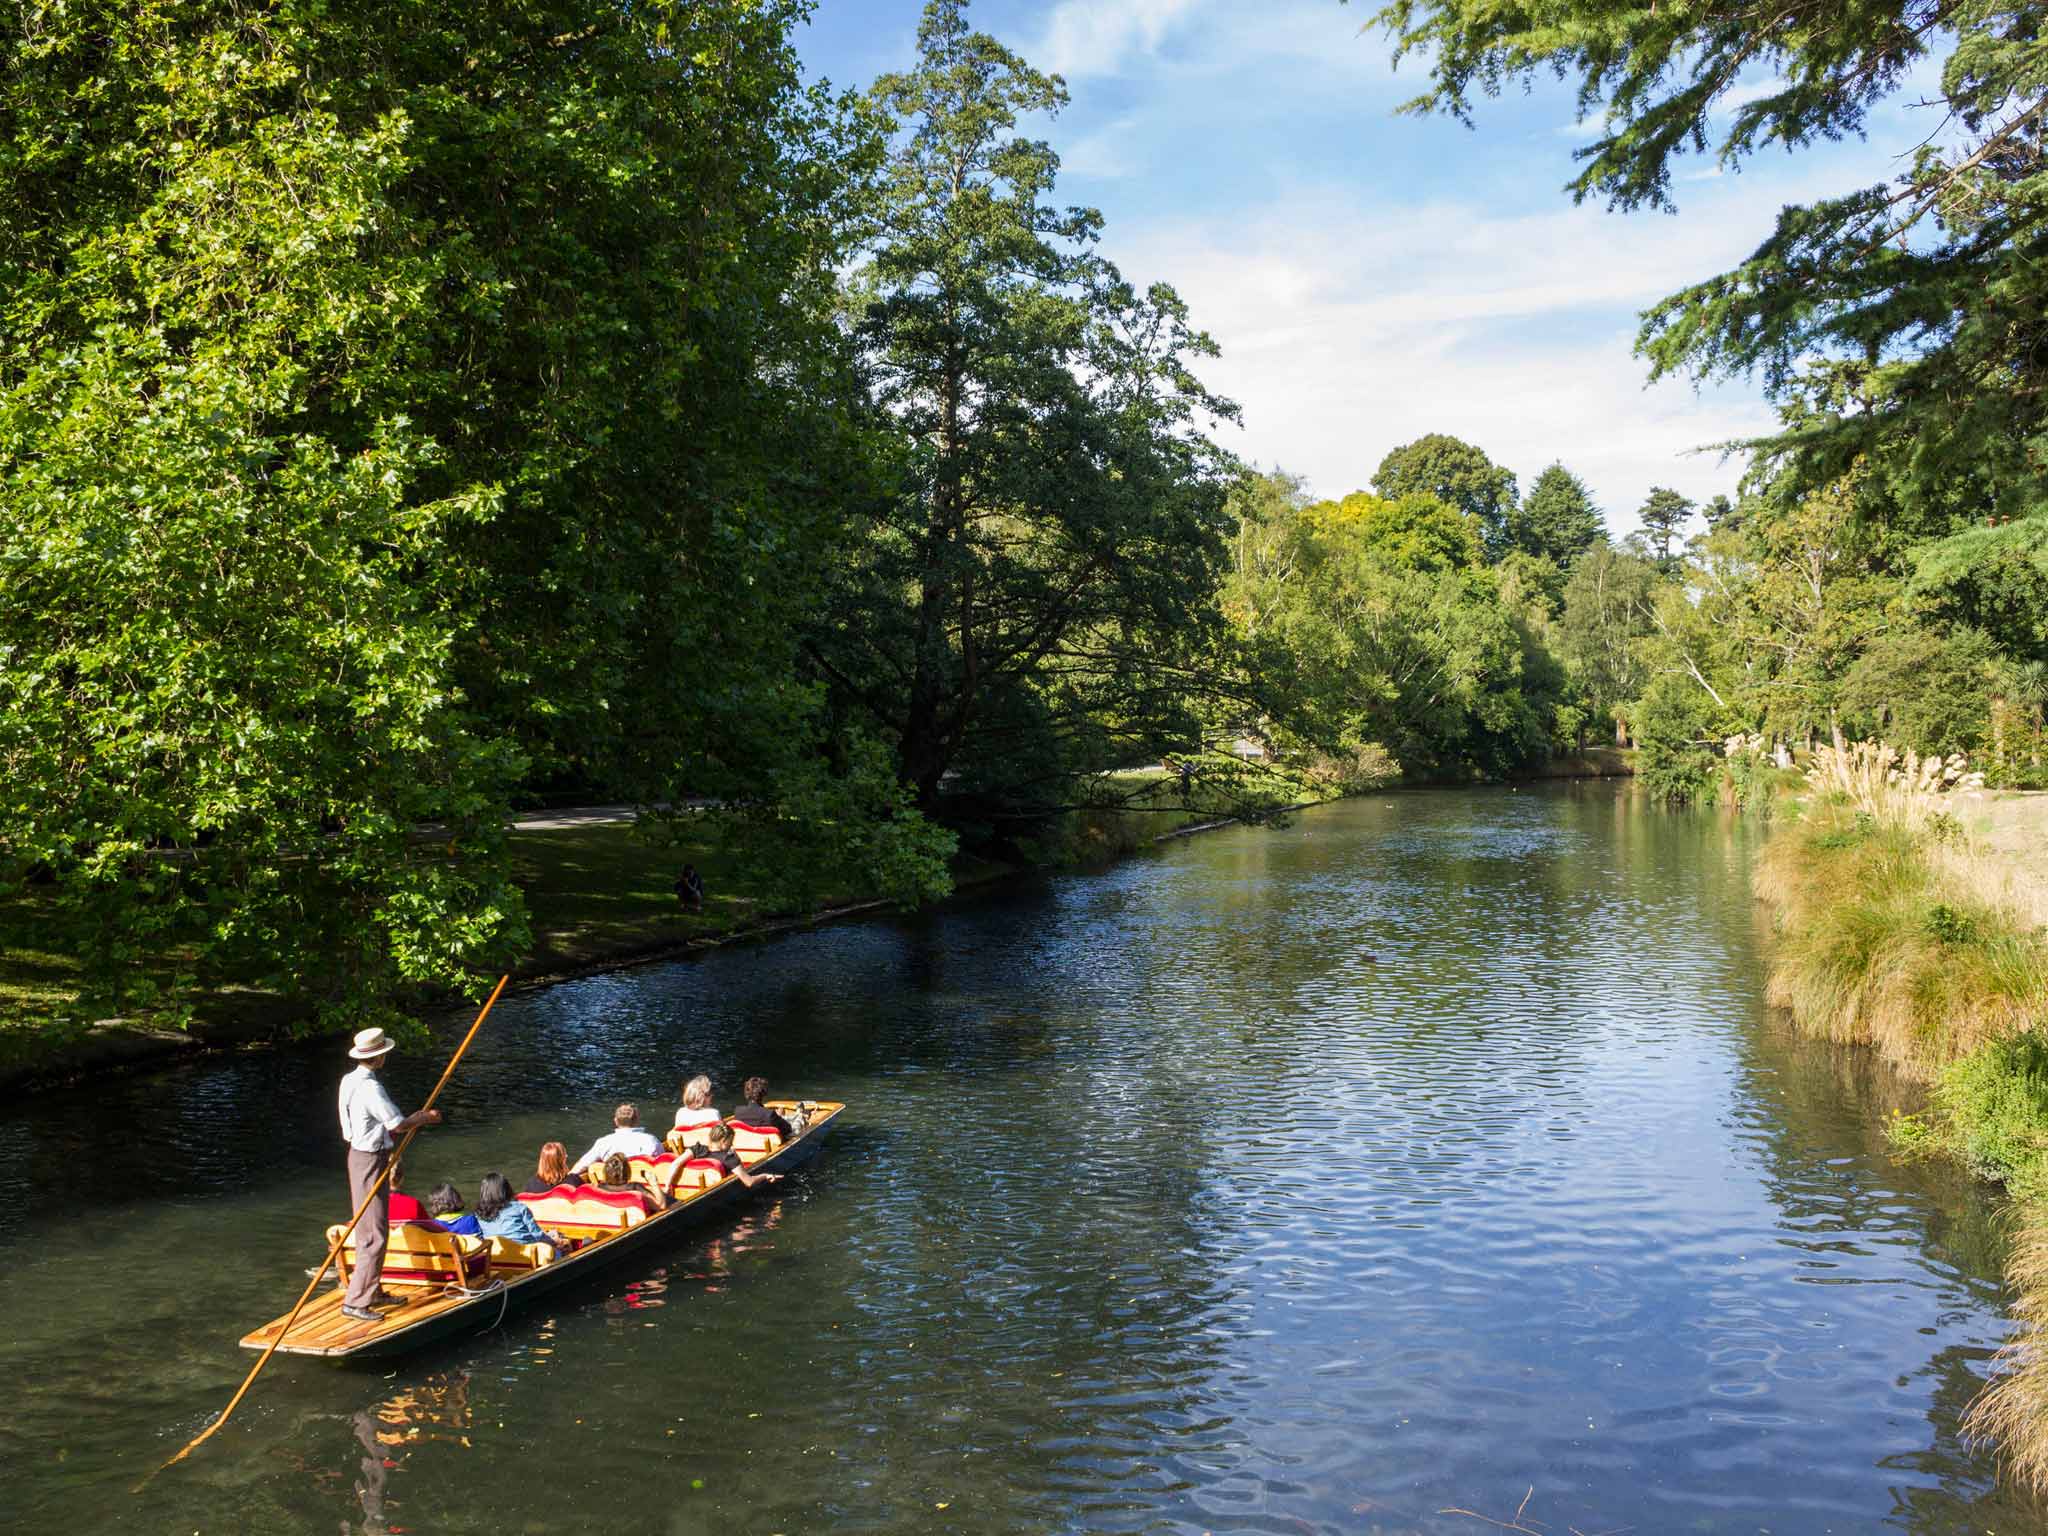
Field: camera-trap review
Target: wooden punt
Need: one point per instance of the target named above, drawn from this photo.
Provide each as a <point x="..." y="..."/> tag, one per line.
<point x="426" y="1314"/>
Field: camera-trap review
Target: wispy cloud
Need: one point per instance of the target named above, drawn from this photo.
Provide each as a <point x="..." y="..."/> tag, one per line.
<point x="1344" y="336"/>
<point x="1101" y="37"/>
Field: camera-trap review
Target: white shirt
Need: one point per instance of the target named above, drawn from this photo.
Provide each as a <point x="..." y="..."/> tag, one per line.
<point x="368" y="1117"/>
<point x="631" y="1140"/>
<point x="688" y="1119"/>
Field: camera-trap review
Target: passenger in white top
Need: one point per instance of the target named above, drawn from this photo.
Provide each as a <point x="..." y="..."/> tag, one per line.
<point x="696" y="1115"/>
<point x="626" y="1136"/>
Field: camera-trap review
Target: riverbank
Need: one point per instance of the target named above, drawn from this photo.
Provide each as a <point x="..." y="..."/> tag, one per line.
<point x="600" y="898"/>
<point x="1918" y="926"/>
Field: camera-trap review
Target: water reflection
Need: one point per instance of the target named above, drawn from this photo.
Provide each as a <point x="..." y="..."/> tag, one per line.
<point x="1434" y="1153"/>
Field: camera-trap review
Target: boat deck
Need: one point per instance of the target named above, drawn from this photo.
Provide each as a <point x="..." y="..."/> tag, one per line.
<point x="418" y="1314"/>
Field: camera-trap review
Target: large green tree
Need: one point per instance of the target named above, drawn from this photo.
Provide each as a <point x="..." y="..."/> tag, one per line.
<point x="1034" y="599"/>
<point x="1458" y="475"/>
<point x="1664" y="514"/>
<point x="1557" y="520"/>
<point x="1608" y="602"/>
<point x="392" y="395"/>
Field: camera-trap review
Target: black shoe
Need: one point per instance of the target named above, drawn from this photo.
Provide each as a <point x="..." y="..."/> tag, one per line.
<point x="362" y="1314"/>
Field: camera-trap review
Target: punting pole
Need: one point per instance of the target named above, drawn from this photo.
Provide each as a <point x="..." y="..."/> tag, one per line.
<point x="333" y="1251"/>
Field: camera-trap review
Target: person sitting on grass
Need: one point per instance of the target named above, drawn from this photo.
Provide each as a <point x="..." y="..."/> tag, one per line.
<point x="499" y="1215"/>
<point x="626" y="1136"/>
<point x="552" y="1172"/>
<point x="690" y="889"/>
<point x="756" y="1114"/>
<point x="444" y="1205"/>
<point x="719" y="1143"/>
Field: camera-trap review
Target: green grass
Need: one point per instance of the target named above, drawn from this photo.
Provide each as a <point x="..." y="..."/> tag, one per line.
<point x="598" y="891"/>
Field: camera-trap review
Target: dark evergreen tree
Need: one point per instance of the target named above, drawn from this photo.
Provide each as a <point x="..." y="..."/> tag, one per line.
<point x="1664" y="514"/>
<point x="1558" y="519"/>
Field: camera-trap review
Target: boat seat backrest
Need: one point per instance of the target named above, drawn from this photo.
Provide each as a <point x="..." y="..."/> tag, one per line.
<point x="586" y="1210"/>
<point x="754" y="1142"/>
<point x="417" y="1255"/>
<point x="510" y="1257"/>
<point x="698" y="1173"/>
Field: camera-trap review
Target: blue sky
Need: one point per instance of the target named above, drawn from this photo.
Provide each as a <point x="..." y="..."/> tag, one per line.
<point x="1371" y="277"/>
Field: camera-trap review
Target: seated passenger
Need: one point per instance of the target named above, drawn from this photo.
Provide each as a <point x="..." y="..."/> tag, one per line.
<point x="696" y="1114"/>
<point x="615" y="1174"/>
<point x="552" y="1171"/>
<point x="499" y="1215"/>
<point x="755" y="1113"/>
<point x="401" y="1206"/>
<point x="626" y="1136"/>
<point x="444" y="1205"/>
<point x="719" y="1139"/>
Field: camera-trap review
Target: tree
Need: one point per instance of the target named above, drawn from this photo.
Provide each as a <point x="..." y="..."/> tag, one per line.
<point x="1928" y="288"/>
<point x="1608" y="601"/>
<point x="394" y="398"/>
<point x="1458" y="475"/>
<point x="1558" y="520"/>
<point x="1664" y="514"/>
<point x="1034" y="595"/>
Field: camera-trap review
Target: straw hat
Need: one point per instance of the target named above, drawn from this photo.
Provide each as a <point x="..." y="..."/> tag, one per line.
<point x="371" y="1043"/>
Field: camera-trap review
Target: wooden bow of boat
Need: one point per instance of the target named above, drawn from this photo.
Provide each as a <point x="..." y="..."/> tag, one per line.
<point x="421" y="1314"/>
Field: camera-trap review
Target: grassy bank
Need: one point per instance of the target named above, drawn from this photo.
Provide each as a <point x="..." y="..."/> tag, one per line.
<point x="1905" y="924"/>
<point x="598" y="896"/>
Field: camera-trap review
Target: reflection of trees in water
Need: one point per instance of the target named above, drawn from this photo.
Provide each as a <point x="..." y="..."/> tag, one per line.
<point x="1816" y="1113"/>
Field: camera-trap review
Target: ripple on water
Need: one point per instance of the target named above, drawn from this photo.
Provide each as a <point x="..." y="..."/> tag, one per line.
<point x="1429" y="1152"/>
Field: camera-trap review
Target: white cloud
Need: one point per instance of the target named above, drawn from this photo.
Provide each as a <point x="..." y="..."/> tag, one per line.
<point x="1106" y="153"/>
<point x="1099" y="37"/>
<point x="1344" y="335"/>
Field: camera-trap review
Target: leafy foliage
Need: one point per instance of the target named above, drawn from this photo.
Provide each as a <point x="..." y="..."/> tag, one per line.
<point x="1461" y="477"/>
<point x="398" y="403"/>
<point x="1032" y="598"/>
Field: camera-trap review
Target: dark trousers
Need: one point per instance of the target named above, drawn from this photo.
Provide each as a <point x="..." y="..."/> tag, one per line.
<point x="365" y="1169"/>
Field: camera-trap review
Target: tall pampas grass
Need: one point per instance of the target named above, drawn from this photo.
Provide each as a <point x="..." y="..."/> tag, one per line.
<point x="1885" y="784"/>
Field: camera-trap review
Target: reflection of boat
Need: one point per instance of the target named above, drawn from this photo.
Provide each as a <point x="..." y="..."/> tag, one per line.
<point x="422" y="1314"/>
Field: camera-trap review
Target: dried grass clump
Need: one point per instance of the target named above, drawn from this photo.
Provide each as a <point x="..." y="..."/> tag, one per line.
<point x="1904" y="789"/>
<point x="2012" y="1412"/>
<point x="1887" y="938"/>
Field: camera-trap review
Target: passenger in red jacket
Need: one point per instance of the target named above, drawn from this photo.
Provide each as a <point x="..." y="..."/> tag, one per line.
<point x="403" y="1207"/>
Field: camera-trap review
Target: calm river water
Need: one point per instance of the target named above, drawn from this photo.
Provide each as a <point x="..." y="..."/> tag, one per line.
<point x="1435" y="1153"/>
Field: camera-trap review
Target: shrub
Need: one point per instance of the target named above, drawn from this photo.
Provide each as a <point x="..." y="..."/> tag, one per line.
<point x="1887" y="938"/>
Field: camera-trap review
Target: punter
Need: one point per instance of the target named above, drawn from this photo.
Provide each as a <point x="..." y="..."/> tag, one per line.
<point x="368" y="1122"/>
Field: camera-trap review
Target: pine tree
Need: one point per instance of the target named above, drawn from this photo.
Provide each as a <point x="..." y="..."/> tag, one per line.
<point x="1558" y="519"/>
<point x="1664" y="515"/>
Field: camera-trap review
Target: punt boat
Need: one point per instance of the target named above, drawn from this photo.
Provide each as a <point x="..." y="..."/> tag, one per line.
<point x="443" y="1285"/>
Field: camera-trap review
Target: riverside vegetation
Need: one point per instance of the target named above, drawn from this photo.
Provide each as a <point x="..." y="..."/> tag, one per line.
<point x="1897" y="931"/>
<point x="413" y="412"/>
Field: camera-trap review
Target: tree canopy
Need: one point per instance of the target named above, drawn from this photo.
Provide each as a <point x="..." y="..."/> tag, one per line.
<point x="1458" y="475"/>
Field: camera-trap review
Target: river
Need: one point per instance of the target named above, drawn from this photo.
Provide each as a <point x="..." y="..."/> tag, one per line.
<point x="1436" y="1152"/>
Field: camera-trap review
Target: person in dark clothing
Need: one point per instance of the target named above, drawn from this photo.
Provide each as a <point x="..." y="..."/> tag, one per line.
<point x="690" y="889"/>
<point x="552" y="1172"/>
<point x="718" y="1149"/>
<point x="755" y="1113"/>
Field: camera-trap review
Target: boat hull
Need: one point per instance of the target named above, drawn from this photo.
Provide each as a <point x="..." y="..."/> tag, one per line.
<point x="425" y="1318"/>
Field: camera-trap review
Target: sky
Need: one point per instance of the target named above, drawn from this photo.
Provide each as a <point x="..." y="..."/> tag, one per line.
<point x="1372" y="277"/>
